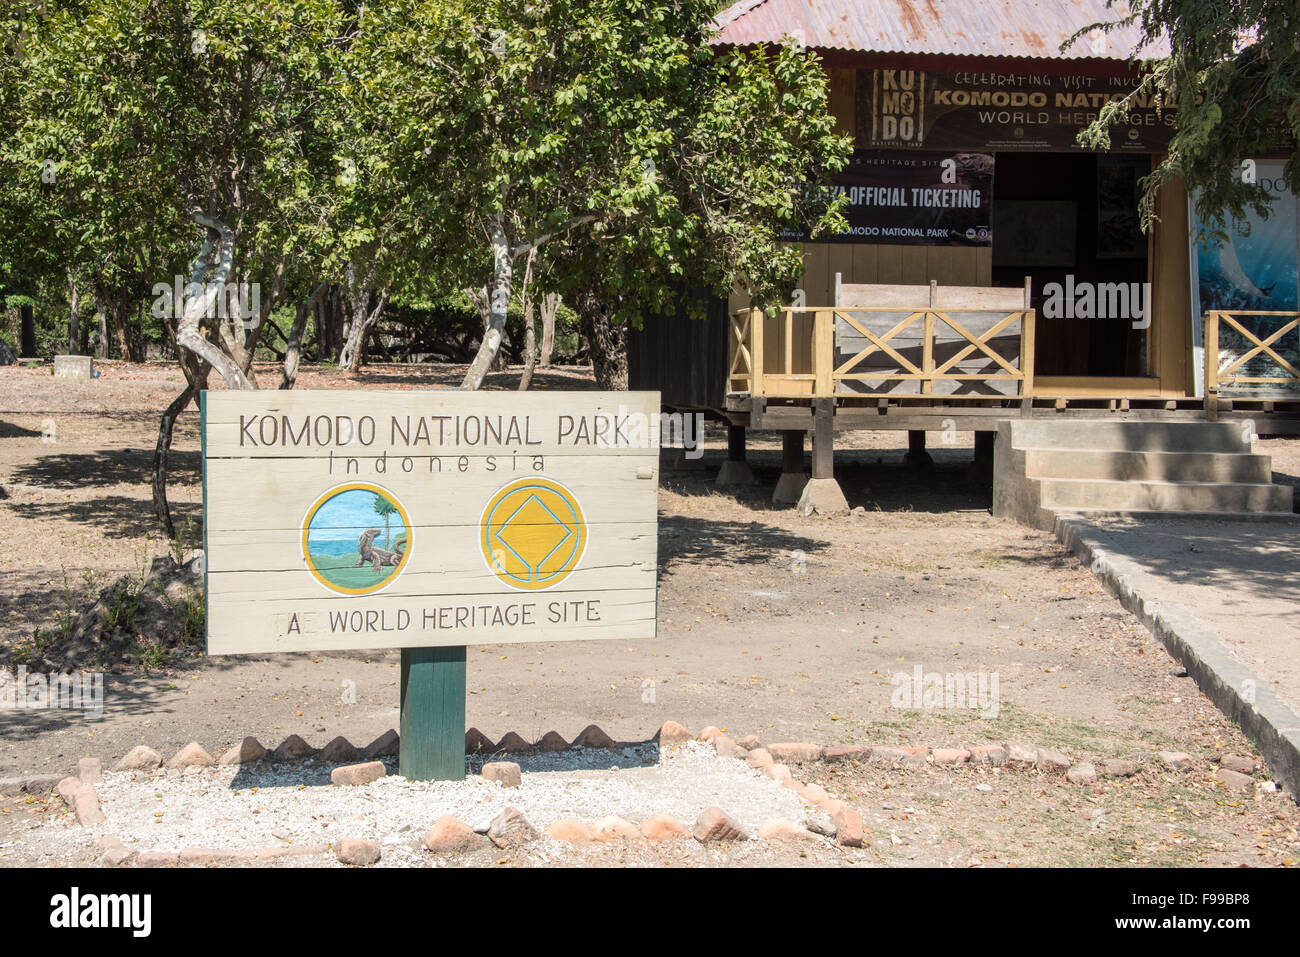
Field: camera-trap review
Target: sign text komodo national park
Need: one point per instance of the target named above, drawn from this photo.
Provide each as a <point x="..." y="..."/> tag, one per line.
<point x="345" y="520"/>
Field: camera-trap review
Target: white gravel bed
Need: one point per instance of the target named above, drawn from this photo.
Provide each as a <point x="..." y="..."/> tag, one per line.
<point x="280" y="805"/>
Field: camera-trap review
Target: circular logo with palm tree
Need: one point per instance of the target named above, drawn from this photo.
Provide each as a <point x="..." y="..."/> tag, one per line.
<point x="356" y="538"/>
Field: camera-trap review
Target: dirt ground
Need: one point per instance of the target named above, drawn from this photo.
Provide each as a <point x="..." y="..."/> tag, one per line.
<point x="770" y="623"/>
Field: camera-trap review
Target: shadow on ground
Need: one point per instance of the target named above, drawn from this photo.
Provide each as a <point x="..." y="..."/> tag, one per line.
<point x="10" y="431"/>
<point x="116" y="516"/>
<point x="876" y="480"/>
<point x="689" y="542"/>
<point x="1251" y="560"/>
<point x="105" y="467"/>
<point x="312" y="773"/>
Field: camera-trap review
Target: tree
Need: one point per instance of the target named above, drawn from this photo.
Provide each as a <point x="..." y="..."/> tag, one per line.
<point x="385" y="509"/>
<point x="177" y="131"/>
<point x="746" y="164"/>
<point x="550" y="306"/>
<point x="525" y="126"/>
<point x="526" y="297"/>
<point x="1232" y="81"/>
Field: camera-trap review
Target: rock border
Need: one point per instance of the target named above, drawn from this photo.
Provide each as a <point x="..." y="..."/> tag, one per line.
<point x="510" y="827"/>
<point x="1234" y="771"/>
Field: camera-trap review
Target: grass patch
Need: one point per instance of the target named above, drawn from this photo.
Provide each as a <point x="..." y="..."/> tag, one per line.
<point x="124" y="601"/>
<point x="152" y="656"/>
<point x="899" y="564"/>
<point x="343" y="571"/>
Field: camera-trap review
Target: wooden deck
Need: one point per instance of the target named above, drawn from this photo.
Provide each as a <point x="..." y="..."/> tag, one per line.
<point x="966" y="360"/>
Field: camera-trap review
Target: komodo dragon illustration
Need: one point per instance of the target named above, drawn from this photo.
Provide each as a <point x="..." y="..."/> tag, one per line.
<point x="378" y="557"/>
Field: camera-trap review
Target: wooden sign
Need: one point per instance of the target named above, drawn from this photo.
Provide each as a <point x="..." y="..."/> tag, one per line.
<point x="343" y="520"/>
<point x="1001" y="112"/>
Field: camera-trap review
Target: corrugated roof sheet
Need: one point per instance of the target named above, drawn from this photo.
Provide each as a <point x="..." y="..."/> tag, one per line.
<point x="986" y="28"/>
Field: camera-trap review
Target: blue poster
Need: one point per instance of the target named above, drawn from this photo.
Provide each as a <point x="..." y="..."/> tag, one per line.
<point x="1256" y="269"/>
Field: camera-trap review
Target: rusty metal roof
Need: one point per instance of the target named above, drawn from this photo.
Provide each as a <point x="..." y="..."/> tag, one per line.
<point x="985" y="28"/>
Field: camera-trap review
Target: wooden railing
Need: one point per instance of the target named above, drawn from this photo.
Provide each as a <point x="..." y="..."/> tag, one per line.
<point x="1226" y="372"/>
<point x="843" y="350"/>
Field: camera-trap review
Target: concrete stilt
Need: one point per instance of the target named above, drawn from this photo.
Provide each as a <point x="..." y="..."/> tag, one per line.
<point x="917" y="457"/>
<point x="823" y="494"/>
<point x="793" y="477"/>
<point x="735" y="470"/>
<point x="981" y="470"/>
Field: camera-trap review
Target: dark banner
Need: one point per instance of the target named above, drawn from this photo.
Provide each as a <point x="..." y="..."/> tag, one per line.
<point x="1227" y="907"/>
<point x="919" y="109"/>
<point x="916" y="199"/>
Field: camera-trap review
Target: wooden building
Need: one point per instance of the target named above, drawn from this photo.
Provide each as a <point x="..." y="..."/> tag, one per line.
<point x="967" y="176"/>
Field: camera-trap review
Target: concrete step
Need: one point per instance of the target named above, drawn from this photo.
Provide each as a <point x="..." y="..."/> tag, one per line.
<point x="1129" y="436"/>
<point x="1114" y="465"/>
<point x="1081" y="494"/>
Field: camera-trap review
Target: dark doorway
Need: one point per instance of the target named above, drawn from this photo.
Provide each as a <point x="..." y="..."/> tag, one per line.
<point x="1072" y="219"/>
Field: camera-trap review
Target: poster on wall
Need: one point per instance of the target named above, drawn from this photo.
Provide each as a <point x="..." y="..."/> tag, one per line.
<point x="922" y="109"/>
<point x="1257" y="269"/>
<point x="916" y="199"/>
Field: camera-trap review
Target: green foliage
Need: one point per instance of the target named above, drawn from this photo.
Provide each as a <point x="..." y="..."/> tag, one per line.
<point x="124" y="600"/>
<point x="1233" y="99"/>
<point x="134" y="115"/>
<point x="152" y="655"/>
<point x="383" y="143"/>
<point x="66" y="617"/>
<point x="43" y="640"/>
<point x="190" y="616"/>
<point x="609" y="130"/>
<point x="33" y="650"/>
<point x="123" y="604"/>
<point x="187" y="538"/>
<point x="385" y="510"/>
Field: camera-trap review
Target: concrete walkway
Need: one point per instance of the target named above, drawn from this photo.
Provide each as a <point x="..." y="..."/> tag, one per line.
<point x="1223" y="594"/>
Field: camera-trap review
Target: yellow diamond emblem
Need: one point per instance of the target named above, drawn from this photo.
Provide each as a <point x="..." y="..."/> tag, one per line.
<point x="532" y="533"/>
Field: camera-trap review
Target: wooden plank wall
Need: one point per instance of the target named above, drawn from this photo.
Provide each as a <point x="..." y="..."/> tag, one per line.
<point x="872" y="263"/>
<point x="682" y="358"/>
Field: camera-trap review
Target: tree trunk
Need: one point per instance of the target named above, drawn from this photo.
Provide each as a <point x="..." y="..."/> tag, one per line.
<point x="530" y="334"/>
<point x="550" y="306"/>
<point x="27" y="332"/>
<point x="160" y="506"/>
<point x="196" y="379"/>
<point x="101" y="334"/>
<point x="606" y="342"/>
<point x="502" y="269"/>
<point x="188" y="326"/>
<point x="125" y="327"/>
<point x="196" y="353"/>
<point x="329" y="323"/>
<point x="530" y="351"/>
<point x="120" y="323"/>
<point x="74" y="335"/>
<point x="293" y="348"/>
<point x="362" y="321"/>
<point x="354" y="334"/>
<point x="482" y="301"/>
